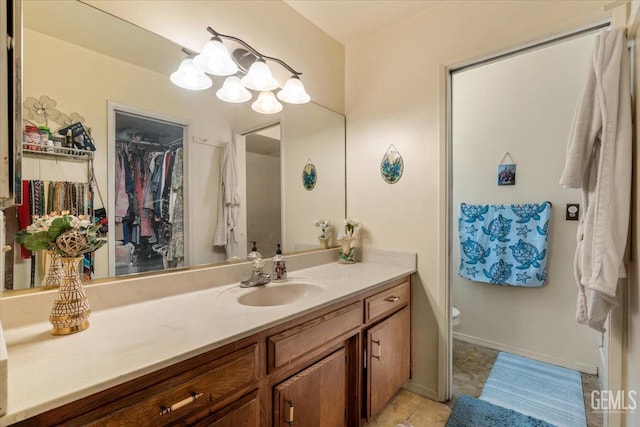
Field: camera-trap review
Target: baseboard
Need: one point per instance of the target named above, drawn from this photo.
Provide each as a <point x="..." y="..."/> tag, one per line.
<point x="587" y="369"/>
<point x="421" y="390"/>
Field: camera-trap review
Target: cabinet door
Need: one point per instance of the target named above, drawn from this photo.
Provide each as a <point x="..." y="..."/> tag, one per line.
<point x="315" y="397"/>
<point x="388" y="359"/>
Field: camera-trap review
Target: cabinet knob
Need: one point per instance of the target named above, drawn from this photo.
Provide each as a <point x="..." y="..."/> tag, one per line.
<point x="290" y="420"/>
<point x="392" y="298"/>
<point x="184" y="402"/>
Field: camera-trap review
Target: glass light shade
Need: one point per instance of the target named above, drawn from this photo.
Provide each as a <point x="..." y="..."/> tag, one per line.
<point x="259" y="77"/>
<point x="266" y="104"/>
<point x="293" y="92"/>
<point x="233" y="91"/>
<point x="215" y="59"/>
<point x="189" y="77"/>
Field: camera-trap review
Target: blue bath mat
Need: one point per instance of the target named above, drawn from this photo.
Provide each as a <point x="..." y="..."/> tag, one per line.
<point x="470" y="412"/>
<point x="544" y="391"/>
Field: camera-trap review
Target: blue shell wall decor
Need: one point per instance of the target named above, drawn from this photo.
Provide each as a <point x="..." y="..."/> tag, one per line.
<point x="309" y="176"/>
<point x="392" y="165"/>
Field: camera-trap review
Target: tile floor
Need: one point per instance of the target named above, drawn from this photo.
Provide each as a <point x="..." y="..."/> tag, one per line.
<point x="418" y="410"/>
<point x="471" y="367"/>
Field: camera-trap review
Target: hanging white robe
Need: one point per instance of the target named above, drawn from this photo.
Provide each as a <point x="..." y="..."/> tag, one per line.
<point x="228" y="202"/>
<point x="599" y="162"/>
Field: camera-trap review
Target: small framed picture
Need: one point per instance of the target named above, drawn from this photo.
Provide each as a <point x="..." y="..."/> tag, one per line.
<point x="507" y="174"/>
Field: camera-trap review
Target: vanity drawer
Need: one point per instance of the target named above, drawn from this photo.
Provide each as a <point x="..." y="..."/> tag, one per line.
<point x="387" y="302"/>
<point x="169" y="401"/>
<point x="310" y="335"/>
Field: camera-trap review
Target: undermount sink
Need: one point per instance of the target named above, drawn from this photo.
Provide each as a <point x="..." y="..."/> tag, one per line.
<point x="274" y="294"/>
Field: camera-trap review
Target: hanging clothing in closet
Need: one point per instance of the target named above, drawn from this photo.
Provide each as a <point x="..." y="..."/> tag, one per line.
<point x="149" y="206"/>
<point x="176" y="210"/>
<point x="44" y="197"/>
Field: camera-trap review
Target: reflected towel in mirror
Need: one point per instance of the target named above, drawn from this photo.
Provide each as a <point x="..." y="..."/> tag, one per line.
<point x="228" y="202"/>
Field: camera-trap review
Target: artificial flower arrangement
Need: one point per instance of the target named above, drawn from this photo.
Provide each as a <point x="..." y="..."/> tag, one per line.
<point x="66" y="235"/>
<point x="324" y="225"/>
<point x="351" y="225"/>
<point x="348" y="240"/>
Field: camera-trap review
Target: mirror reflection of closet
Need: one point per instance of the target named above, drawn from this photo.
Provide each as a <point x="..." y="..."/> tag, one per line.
<point x="146" y="216"/>
<point x="264" y="190"/>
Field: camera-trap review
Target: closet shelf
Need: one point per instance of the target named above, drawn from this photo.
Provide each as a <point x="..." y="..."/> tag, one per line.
<point x="57" y="153"/>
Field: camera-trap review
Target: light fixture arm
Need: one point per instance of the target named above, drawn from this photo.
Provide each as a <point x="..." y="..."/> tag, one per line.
<point x="254" y="51"/>
<point x="188" y="52"/>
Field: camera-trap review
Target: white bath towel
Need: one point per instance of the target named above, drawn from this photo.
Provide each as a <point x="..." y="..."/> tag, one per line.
<point x="599" y="162"/>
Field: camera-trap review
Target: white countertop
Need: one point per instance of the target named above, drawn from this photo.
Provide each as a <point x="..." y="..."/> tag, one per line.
<point x="125" y="342"/>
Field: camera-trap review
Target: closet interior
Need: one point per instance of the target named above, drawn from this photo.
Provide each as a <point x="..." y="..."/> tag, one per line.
<point x="149" y="189"/>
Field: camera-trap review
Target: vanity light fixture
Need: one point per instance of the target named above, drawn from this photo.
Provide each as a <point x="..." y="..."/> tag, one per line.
<point x="216" y="60"/>
<point x="293" y="92"/>
<point x="233" y="91"/>
<point x="190" y="77"/>
<point x="259" y="77"/>
<point x="266" y="103"/>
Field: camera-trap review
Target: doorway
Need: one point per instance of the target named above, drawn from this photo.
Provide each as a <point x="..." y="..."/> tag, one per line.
<point x="147" y="192"/>
<point x="516" y="109"/>
<point x="264" y="190"/>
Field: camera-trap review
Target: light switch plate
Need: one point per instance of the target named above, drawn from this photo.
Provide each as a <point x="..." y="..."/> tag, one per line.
<point x="572" y="212"/>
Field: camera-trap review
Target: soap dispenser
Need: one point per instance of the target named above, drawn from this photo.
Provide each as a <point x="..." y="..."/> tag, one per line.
<point x="254" y="253"/>
<point x="279" y="266"/>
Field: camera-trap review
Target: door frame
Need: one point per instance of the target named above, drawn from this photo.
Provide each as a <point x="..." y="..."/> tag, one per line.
<point x="615" y="17"/>
<point x="112" y="109"/>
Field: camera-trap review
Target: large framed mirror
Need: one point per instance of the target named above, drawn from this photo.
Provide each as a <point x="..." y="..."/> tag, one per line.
<point x="85" y="59"/>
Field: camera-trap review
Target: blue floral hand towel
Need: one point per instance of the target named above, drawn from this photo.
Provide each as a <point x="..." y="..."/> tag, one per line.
<point x="504" y="244"/>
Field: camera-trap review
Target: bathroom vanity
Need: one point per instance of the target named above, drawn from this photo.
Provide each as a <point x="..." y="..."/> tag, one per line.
<point x="218" y="356"/>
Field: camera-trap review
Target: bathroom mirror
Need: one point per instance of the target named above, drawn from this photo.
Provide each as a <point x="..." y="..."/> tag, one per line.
<point x="84" y="58"/>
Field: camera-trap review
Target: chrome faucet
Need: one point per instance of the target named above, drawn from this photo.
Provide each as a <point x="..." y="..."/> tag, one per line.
<point x="258" y="277"/>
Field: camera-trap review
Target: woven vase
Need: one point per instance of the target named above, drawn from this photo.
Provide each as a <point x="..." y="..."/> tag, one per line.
<point x="52" y="270"/>
<point x="70" y="312"/>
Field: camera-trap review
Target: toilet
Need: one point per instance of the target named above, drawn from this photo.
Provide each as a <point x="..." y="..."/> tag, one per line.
<point x="455" y="316"/>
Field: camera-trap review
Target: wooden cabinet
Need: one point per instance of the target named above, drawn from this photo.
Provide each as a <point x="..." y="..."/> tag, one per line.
<point x="243" y="413"/>
<point x="169" y="401"/>
<point x="387" y="302"/>
<point x="315" y="397"/>
<point x="388" y="359"/>
<point x="332" y="367"/>
<point x="178" y="395"/>
<point x="298" y="340"/>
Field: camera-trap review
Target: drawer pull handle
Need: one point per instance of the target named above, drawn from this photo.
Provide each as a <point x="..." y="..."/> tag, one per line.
<point x="184" y="402"/>
<point x="379" y="349"/>
<point x="290" y="420"/>
<point x="392" y="298"/>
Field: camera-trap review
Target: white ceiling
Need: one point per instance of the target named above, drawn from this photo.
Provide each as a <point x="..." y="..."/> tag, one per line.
<point x="348" y="20"/>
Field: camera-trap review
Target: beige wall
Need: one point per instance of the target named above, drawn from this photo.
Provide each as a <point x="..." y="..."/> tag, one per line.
<point x="522" y="105"/>
<point x="395" y="83"/>
<point x="272" y="27"/>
